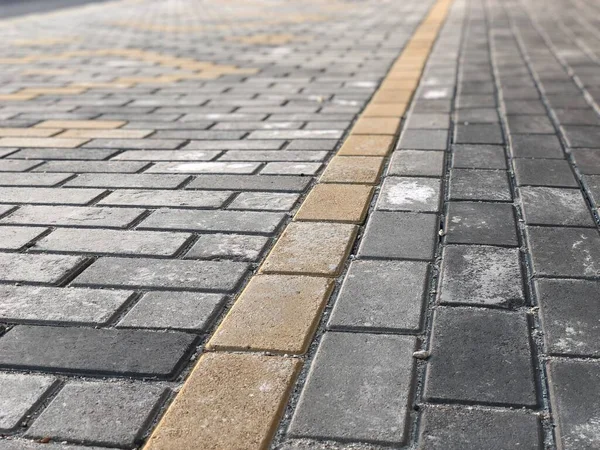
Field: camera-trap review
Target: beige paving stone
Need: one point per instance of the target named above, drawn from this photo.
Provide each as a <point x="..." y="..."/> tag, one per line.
<point x="385" y="110"/>
<point x="336" y="203"/>
<point x="311" y="248"/>
<point x="392" y="96"/>
<point x="275" y="313"/>
<point x="376" y="125"/>
<point x="353" y="169"/>
<point x="366" y="145"/>
<point x="16" y="97"/>
<point x="81" y="124"/>
<point x="53" y="91"/>
<point x="230" y="401"/>
<point x="28" y="132"/>
<point x="42" y="142"/>
<point x="106" y="134"/>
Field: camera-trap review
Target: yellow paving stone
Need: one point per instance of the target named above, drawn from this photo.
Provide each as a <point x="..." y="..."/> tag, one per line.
<point x="16" y="97"/>
<point x="311" y="248"/>
<point x="275" y="313"/>
<point x="99" y="85"/>
<point x="336" y="203"/>
<point x="399" y="85"/>
<point x="106" y="134"/>
<point x="366" y="145"/>
<point x="376" y="125"/>
<point x="81" y="124"/>
<point x="28" y="132"/>
<point x="54" y="91"/>
<point x="47" y="72"/>
<point x="392" y="96"/>
<point x="230" y="401"/>
<point x="353" y="169"/>
<point x="385" y="110"/>
<point x="42" y="142"/>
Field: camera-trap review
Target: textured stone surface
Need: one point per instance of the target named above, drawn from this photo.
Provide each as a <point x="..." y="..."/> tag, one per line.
<point x="409" y="194"/>
<point x="36" y="268"/>
<point x="336" y="203"/>
<point x="479" y="185"/>
<point x="242" y="247"/>
<point x="19" y="394"/>
<point x="481" y="223"/>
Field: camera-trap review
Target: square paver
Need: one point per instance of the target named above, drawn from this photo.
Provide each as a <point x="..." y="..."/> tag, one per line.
<point x="539" y="172"/>
<point x="478" y="157"/>
<point x="409" y="194"/>
<point x="479" y="185"/>
<point x="555" y="206"/>
<point x="19" y="394"/>
<point x="481" y="223"/>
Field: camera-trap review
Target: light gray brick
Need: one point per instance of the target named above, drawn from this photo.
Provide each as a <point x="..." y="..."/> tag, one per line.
<point x="235" y="145"/>
<point x="18" y="165"/>
<point x="204" y="167"/>
<point x="14" y="238"/>
<point x="63" y="153"/>
<point x="49" y="196"/>
<point x="166" y="155"/>
<point x="270" y="155"/>
<point x="291" y="168"/>
<point x="17" y="267"/>
<point x="91" y="166"/>
<point x="417" y="163"/>
<point x="117" y="180"/>
<point x="19" y="394"/>
<point x="250" y="183"/>
<point x="409" y="194"/>
<point x="169" y="199"/>
<point x="32" y="179"/>
<point x="228" y="246"/>
<point x="83" y="216"/>
<point x="264" y="201"/>
<point x="296" y="134"/>
<point x="137" y="144"/>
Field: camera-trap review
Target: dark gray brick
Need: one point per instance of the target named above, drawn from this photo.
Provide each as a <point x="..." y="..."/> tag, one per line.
<point x="117" y="180"/>
<point x="586" y="159"/>
<point x="48" y="196"/>
<point x="544" y="173"/>
<point x="169" y="199"/>
<point x="555" y="206"/>
<point x="479" y="185"/>
<point x="424" y="139"/>
<point x="478" y="157"/>
<point x="479" y="115"/>
<point x="480" y="356"/>
<point x="417" y="163"/>
<point x="478" y="134"/>
<point x="577" y="116"/>
<point x="32" y="179"/>
<point x="524" y="107"/>
<point x="18" y="267"/>
<point x="93" y="351"/>
<point x="250" y="183"/>
<point x="358" y="389"/>
<point x="410" y="194"/>
<point x="82" y="216"/>
<point x="19" y="394"/>
<point x="428" y="121"/>
<point x="535" y="146"/>
<point x="380" y="295"/>
<point x="481" y="223"/>
<point x="476" y="101"/>
<point x="530" y="125"/>
<point x="582" y="136"/>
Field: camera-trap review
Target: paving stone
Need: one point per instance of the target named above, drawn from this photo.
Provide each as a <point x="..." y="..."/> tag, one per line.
<point x="481" y="223"/>
<point x="32" y="179"/>
<point x="574" y="398"/>
<point x="197" y="134"/>
<point x="16" y="165"/>
<point x="478" y="134"/>
<point x="478" y="157"/>
<point x="131" y="144"/>
<point x="166" y="155"/>
<point x="104" y="413"/>
<point x="358" y="389"/>
<point x="246" y="391"/>
<point x="93" y="351"/>
<point x="576" y="116"/>
<point x="41" y="142"/>
<point x="274" y="155"/>
<point x="481" y="275"/>
<point x="476" y="101"/>
<point x="63" y="153"/>
<point x="391" y="234"/>
<point x="312" y="144"/>
<point x="582" y="136"/>
<point x="424" y="139"/>
<point x="228" y="246"/>
<point x="198" y="220"/>
<point x="73" y="216"/>
<point x="101" y="242"/>
<point x="417" y="163"/>
<point x="250" y="183"/>
<point x="81" y="124"/>
<point x="428" y="121"/>
<point x="529" y="146"/>
<point x="479" y="185"/>
<point x="19" y="394"/>
<point x="474" y="429"/>
<point x="554" y="206"/>
<point x="367" y="145"/>
<point x="15" y="267"/>
<point x="296" y="134"/>
<point x="172" y="199"/>
<point x="565" y="252"/>
<point x="221" y="276"/>
<point x="275" y="313"/>
<point x="381" y="295"/>
<point x="48" y="196"/>
<point x="174" y="310"/>
<point x="376" y="125"/>
<point x="14" y="238"/>
<point x="409" y="194"/>
<point x="22" y="444"/>
<point x="204" y="167"/>
<point x="294" y="168"/>
<point x="525" y="107"/>
<point x="530" y="125"/>
<point x="117" y="180"/>
<point x="569" y="328"/>
<point x="586" y="159"/>
<point x="235" y="145"/>
<point x="478" y="115"/>
<point x="544" y="173"/>
<point x="264" y="201"/>
<point x="350" y="169"/>
<point x="336" y="203"/>
<point x="480" y="356"/>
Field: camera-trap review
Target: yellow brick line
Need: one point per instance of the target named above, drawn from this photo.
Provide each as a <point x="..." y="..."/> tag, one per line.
<point x="236" y="394"/>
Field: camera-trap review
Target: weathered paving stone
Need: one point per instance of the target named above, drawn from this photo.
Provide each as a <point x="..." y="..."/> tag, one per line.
<point x="228" y="246"/>
<point x="575" y="401"/>
<point x="566" y="252"/>
<point x="555" y="206"/>
<point x="409" y="194"/>
<point x="59" y="305"/>
<point x="204" y="167"/>
<point x="14" y="238"/>
<point x="357" y="389"/>
<point x="336" y="203"/>
<point x="536" y="172"/>
<point x="424" y="140"/>
<point x="586" y="159"/>
<point x="14" y="165"/>
<point x="63" y="153"/>
<point x="104" y="413"/>
<point x="478" y="157"/>
<point x="166" y="155"/>
<point x="83" y="216"/>
<point x="391" y="234"/>
<point x="536" y="146"/>
<point x="296" y="134"/>
<point x="91" y="166"/>
<point x="382" y="295"/>
<point x="117" y="180"/>
<point x="32" y="179"/>
<point x="48" y="196"/>
<point x="270" y="155"/>
<point x="480" y="356"/>
<point x="275" y="313"/>
<point x="582" y="136"/>
<point x="235" y="145"/>
<point x="250" y="183"/>
<point x="16" y="267"/>
<point x="478" y="134"/>
<point x="417" y="163"/>
<point x="359" y="145"/>
<point x="173" y="310"/>
<point x="479" y="185"/>
<point x="428" y="121"/>
<point x="468" y="428"/>
<point x="159" y="273"/>
<point x="197" y="220"/>
<point x="94" y="351"/>
<point x="20" y="393"/>
<point x="530" y="124"/>
<point x="173" y="199"/>
<point x="291" y="168"/>
<point x="22" y="444"/>
<point x="350" y="169"/>
<point x="264" y="201"/>
<point x="481" y="275"/>
<point x="477" y="115"/>
<point x="131" y="144"/>
<point x="570" y="327"/>
<point x="481" y="223"/>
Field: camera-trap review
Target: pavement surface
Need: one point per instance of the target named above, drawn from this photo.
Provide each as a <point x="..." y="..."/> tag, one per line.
<point x="308" y="224"/>
<point x="13" y="8"/>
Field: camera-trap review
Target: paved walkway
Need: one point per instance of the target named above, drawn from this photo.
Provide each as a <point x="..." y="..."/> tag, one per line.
<point x="216" y="231"/>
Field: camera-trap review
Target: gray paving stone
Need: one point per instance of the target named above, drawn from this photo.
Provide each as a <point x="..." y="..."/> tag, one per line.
<point x="530" y="124"/>
<point x="229" y="221"/>
<point x="536" y="172"/>
<point x="480" y="356"/>
<point x="22" y="444"/>
<point x="198" y="134"/>
<point x="479" y="115"/>
<point x="19" y="394"/>
<point x="174" y="310"/>
<point x="525" y="107"/>
<point x="576" y="116"/>
<point x="64" y="153"/>
<point x="18" y="267"/>
<point x="424" y="140"/>
<point x="534" y="146"/>
<point x="138" y="144"/>
<point x="274" y="155"/>
<point x="169" y="199"/>
<point x="235" y="145"/>
<point x="296" y="134"/>
<point x="481" y="223"/>
<point x="81" y="216"/>
<point x="428" y="121"/>
<point x="478" y="134"/>
<point x="105" y="413"/>
<point x="291" y="168"/>
<point x="17" y="165"/>
<point x="409" y="194"/>
<point x="582" y="136"/>
<point x="570" y="325"/>
<point x="117" y="180"/>
<point x="391" y="234"/>
<point x="575" y="401"/>
<point x="14" y="238"/>
<point x="382" y="295"/>
<point x="166" y="155"/>
<point x="204" y="167"/>
<point x="555" y="206"/>
<point x="478" y="157"/>
<point x="476" y="101"/>
<point x="312" y="144"/>
<point x="94" y="351"/>
<point x="586" y="159"/>
<point x="228" y="246"/>
<point x="91" y="166"/>
<point x="32" y="179"/>
<point x="221" y="276"/>
<point x="264" y="201"/>
<point x="48" y="196"/>
<point x="468" y="428"/>
<point x="566" y="252"/>
<point x="358" y="388"/>
<point x="112" y="242"/>
<point x="251" y="183"/>
<point x="417" y="163"/>
<point x="466" y="184"/>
